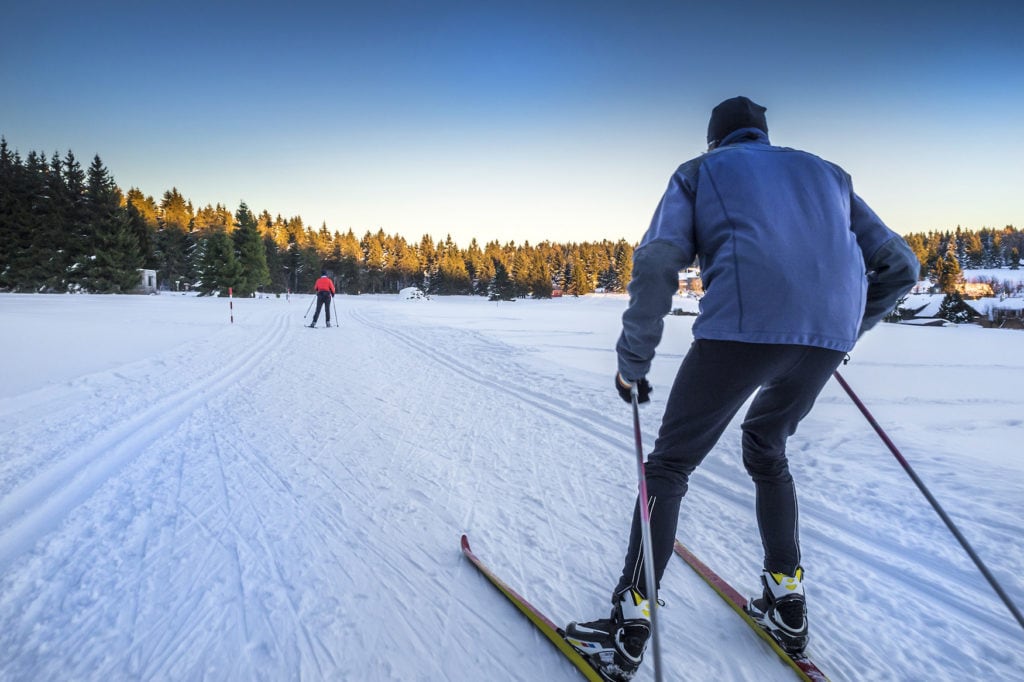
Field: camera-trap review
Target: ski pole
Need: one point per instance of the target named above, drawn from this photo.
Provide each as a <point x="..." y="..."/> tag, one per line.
<point x="336" y="320"/>
<point x="309" y="308"/>
<point x="645" y="527"/>
<point x="935" y="503"/>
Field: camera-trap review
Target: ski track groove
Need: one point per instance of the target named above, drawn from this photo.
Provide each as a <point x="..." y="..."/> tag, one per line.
<point x="613" y="436"/>
<point x="921" y="578"/>
<point x="265" y="549"/>
<point x="237" y="534"/>
<point x="38" y="506"/>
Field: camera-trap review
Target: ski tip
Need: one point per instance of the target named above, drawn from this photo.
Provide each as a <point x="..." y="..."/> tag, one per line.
<point x="465" y="542"/>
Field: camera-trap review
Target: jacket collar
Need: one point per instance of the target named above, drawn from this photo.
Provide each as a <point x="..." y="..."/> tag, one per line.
<point x="745" y="135"/>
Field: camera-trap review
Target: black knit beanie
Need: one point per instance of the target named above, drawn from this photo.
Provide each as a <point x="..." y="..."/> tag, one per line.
<point x="733" y="114"/>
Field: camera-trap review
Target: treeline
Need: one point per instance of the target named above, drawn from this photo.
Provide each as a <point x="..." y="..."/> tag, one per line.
<point x="944" y="255"/>
<point x="65" y="229"/>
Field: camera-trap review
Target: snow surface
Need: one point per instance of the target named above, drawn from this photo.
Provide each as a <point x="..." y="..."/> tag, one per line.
<point x="182" y="498"/>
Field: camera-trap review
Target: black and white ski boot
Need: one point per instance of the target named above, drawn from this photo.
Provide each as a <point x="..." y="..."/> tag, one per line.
<point x="782" y="610"/>
<point x="615" y="645"/>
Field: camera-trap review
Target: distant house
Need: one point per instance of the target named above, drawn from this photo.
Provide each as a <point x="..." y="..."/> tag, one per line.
<point x="976" y="289"/>
<point x="1002" y="312"/>
<point x="147" y="282"/>
<point x="690" y="282"/>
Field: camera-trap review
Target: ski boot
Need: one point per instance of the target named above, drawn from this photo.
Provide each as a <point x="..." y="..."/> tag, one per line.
<point x="614" y="646"/>
<point x="782" y="610"/>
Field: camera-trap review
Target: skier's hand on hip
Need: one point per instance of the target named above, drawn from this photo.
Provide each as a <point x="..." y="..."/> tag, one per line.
<point x="624" y="387"/>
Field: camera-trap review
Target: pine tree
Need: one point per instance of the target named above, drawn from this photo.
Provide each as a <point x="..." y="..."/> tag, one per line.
<point x="406" y="263"/>
<point x="373" y="257"/>
<point x="175" y="241"/>
<point x="115" y="263"/>
<point x="949" y="276"/>
<point x="9" y="211"/>
<point x="71" y="227"/>
<point x="39" y="250"/>
<point x="579" y="279"/>
<point x="250" y="253"/>
<point x="452" y="276"/>
<point x="540" y="281"/>
<point x="348" y="273"/>
<point x="17" y="223"/>
<point x="142" y="216"/>
<point x="502" y="287"/>
<point x="954" y="309"/>
<point x="275" y="264"/>
<point x="218" y="270"/>
<point x="112" y="257"/>
<point x="427" y="280"/>
<point x="623" y="264"/>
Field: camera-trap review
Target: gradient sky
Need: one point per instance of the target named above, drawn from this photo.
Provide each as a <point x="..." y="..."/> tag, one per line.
<point x="517" y="120"/>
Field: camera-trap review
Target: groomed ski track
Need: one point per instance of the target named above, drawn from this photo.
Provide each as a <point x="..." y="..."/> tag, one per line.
<point x="273" y="502"/>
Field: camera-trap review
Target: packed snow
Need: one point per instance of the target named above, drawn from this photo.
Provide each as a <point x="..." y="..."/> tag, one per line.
<point x="186" y="498"/>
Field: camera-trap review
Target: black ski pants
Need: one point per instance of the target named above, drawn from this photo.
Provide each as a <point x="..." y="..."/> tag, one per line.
<point x="323" y="300"/>
<point x="714" y="380"/>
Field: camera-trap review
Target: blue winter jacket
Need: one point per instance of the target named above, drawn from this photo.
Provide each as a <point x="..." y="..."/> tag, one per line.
<point x="788" y="253"/>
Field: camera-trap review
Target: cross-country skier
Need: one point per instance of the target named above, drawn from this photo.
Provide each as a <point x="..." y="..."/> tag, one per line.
<point x="324" y="288"/>
<point x="795" y="268"/>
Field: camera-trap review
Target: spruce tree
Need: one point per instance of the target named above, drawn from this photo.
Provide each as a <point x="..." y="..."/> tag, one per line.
<point x="275" y="264"/>
<point x="623" y="264"/>
<point x="111" y="255"/>
<point x="217" y="270"/>
<point x="250" y="253"/>
<point x="406" y="263"/>
<point x="142" y="216"/>
<point x="502" y="287"/>
<point x="294" y="265"/>
<point x="949" y="276"/>
<point x="40" y="252"/>
<point x="175" y="242"/>
<point x="373" y="257"/>
<point x="10" y="210"/>
<point x="954" y="309"/>
<point x="540" y="281"/>
<point x="348" y="273"/>
<point x="71" y="227"/>
<point x="17" y="223"/>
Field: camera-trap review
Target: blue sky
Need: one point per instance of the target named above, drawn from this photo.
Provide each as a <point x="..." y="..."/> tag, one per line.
<point x="518" y="120"/>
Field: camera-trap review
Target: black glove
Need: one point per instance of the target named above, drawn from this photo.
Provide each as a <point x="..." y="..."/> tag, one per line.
<point x="643" y="389"/>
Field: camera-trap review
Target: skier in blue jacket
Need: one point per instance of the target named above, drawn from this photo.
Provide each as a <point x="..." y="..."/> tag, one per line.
<point x="795" y="268"/>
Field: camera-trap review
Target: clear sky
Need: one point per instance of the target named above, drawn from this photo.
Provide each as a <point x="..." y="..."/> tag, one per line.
<point x="517" y="120"/>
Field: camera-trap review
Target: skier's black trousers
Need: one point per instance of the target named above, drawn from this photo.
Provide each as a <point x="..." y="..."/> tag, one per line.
<point x="323" y="300"/>
<point x="714" y="380"/>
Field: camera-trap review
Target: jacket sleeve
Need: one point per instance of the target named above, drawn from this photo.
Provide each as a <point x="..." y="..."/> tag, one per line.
<point x="666" y="248"/>
<point x="892" y="268"/>
<point x="892" y="272"/>
<point x="655" y="280"/>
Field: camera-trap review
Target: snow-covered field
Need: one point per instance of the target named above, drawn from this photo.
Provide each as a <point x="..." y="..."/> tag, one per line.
<point x="186" y="499"/>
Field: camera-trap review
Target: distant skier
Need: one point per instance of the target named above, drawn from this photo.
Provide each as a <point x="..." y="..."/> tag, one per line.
<point x="324" y="288"/>
<point x="795" y="268"/>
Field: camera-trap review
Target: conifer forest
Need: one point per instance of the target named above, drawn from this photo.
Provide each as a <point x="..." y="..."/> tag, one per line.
<point x="69" y="228"/>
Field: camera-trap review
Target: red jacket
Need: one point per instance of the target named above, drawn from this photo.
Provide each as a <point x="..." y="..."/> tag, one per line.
<point x="324" y="284"/>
